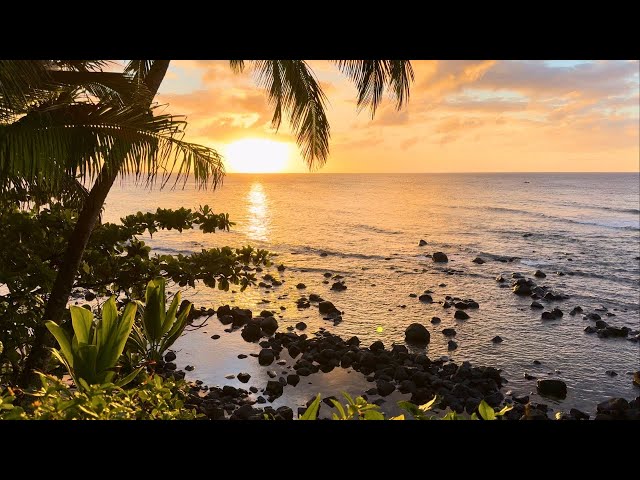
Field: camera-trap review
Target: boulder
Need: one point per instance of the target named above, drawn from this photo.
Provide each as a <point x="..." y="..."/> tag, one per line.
<point x="497" y="339"/>
<point x="548" y="316"/>
<point x="274" y="388"/>
<point x="439" y="257"/>
<point x="552" y="387"/>
<point x="435" y="320"/>
<point x="451" y="345"/>
<point x="377" y="346"/>
<point x="243" y="377"/>
<point x="385" y="388"/>
<point x="326" y="307"/>
<point x="293" y="379"/>
<point x="251" y="332"/>
<point x="536" y="305"/>
<point x="169" y="357"/>
<point x="425" y="298"/>
<point x="314" y="297"/>
<point x="301" y="325"/>
<point x="417" y="333"/>
<point x="422" y="243"/>
<point x="266" y="357"/>
<point x="539" y="274"/>
<point x="461" y="315"/>
<point x="478" y="260"/>
<point x="338" y="286"/>
<point x="449" y="332"/>
<point x="300" y="286"/>
<point x="269" y="325"/>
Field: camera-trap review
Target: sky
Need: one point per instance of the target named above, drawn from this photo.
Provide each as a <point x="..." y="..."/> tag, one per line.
<point x="462" y="116"/>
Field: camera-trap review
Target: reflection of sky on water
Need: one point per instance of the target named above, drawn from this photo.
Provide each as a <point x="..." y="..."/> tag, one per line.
<point x="258" y="212"/>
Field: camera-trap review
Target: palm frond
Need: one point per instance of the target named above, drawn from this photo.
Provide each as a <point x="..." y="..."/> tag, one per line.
<point x="81" y="139"/>
<point x="373" y="76"/>
<point x="237" y="65"/>
<point x="293" y="88"/>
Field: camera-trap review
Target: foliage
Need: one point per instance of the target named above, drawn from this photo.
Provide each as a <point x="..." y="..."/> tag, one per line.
<point x="160" y="329"/>
<point x="360" y="409"/>
<point x="154" y="399"/>
<point x="32" y="244"/>
<point x="92" y="354"/>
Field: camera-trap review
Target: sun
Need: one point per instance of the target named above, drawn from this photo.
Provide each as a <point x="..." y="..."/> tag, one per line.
<point x="257" y="155"/>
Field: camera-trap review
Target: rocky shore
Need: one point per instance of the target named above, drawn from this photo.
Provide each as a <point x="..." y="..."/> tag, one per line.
<point x="459" y="387"/>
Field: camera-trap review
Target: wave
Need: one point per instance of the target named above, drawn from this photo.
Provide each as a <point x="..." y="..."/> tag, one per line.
<point x="374" y="229"/>
<point x="617" y="225"/>
<point x="312" y="250"/>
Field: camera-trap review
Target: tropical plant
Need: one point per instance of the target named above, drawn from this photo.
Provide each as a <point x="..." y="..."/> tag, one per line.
<point x="360" y="409"/>
<point x="154" y="398"/>
<point x="92" y="354"/>
<point x="160" y="329"/>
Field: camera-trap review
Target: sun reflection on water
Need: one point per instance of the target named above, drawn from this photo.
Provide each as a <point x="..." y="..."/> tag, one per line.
<point x="258" y="210"/>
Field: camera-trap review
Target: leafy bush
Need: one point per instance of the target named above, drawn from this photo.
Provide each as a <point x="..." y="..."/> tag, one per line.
<point x="153" y="399"/>
<point x="92" y="354"/>
<point x="360" y="409"/>
<point x="160" y="329"/>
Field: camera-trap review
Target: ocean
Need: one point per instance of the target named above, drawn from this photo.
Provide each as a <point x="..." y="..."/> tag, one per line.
<point x="585" y="226"/>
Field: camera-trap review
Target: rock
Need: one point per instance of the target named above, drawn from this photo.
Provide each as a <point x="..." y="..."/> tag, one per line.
<point x="272" y="374"/>
<point x="539" y="274"/>
<point x="301" y="325"/>
<point x="613" y="332"/>
<point x="230" y="377"/>
<point x="304" y="372"/>
<point x="590" y="329"/>
<point x="552" y="387"/>
<point x="300" y="286"/>
<point x="281" y="268"/>
<point x="353" y="341"/>
<point x="327" y="274"/>
<point x="575" y="311"/>
<point x="478" y="260"/>
<point x="169" y="357"/>
<point x="451" y="345"/>
<point x="326" y="307"/>
<point x="497" y="339"/>
<point x="338" y="286"/>
<point x="535" y="304"/>
<point x="225" y="319"/>
<point x="557" y="312"/>
<point x="314" y="297"/>
<point x="422" y="243"/>
<point x="500" y="279"/>
<point x="274" y="388"/>
<point x="89" y="296"/>
<point x="385" y="388"/>
<point x="241" y="316"/>
<point x="377" y="346"/>
<point x="524" y="399"/>
<point x="243" y="377"/>
<point x="241" y="356"/>
<point x="269" y="325"/>
<point x="293" y="379"/>
<point x="439" y="257"/>
<point x="435" y="320"/>
<point x="251" y="332"/>
<point x="285" y="412"/>
<point x="189" y="368"/>
<point x="578" y="415"/>
<point x="324" y="254"/>
<point x="611" y="373"/>
<point x="529" y="377"/>
<point x="548" y="316"/>
<point x="449" y="332"/>
<point x="522" y="289"/>
<point x="425" y="298"/>
<point x="417" y="333"/>
<point x="592" y="316"/>
<point x="460" y="315"/>
<point x="613" y="406"/>
<point x="215" y="337"/>
<point x="537" y="362"/>
<point x="266" y="357"/>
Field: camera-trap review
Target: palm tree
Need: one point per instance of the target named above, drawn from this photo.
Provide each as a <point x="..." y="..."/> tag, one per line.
<point x="71" y="120"/>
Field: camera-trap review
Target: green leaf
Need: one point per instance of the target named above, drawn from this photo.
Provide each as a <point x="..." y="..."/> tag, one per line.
<point x="171" y="314"/>
<point x="373" y="415"/>
<point x="486" y="411"/>
<point x="504" y="410"/>
<point x="154" y="311"/>
<point x="63" y="340"/>
<point x="81" y="319"/>
<point x="474" y="416"/>
<point x="311" y="413"/>
<point x="427" y="406"/>
<point x="338" y="406"/>
<point x="129" y="378"/>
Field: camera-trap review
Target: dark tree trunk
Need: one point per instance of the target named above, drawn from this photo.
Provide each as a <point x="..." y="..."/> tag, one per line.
<point x="89" y="215"/>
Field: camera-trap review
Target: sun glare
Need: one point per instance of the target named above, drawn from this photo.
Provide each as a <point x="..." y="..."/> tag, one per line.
<point x="256" y="155"/>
